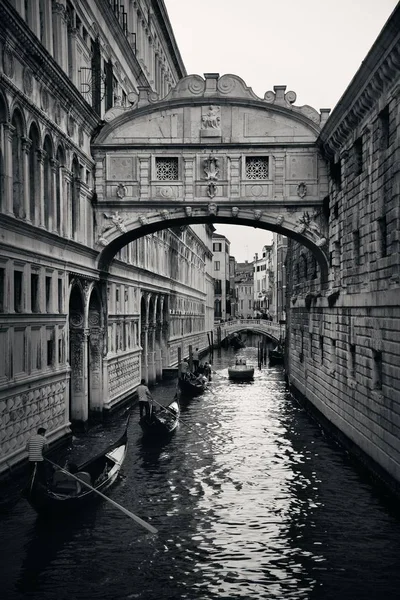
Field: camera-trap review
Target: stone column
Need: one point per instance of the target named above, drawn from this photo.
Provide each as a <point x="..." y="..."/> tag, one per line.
<point x="95" y="361"/>
<point x="152" y="354"/>
<point x="47" y="40"/>
<point x="158" y="349"/>
<point x="8" y="168"/>
<point x="66" y="177"/>
<point x="79" y="380"/>
<point x="189" y="177"/>
<point x="144" y="176"/>
<point x="60" y="49"/>
<point x="53" y="207"/>
<point x="26" y="145"/>
<point x="40" y="190"/>
<point x="145" y="346"/>
<point x="72" y="67"/>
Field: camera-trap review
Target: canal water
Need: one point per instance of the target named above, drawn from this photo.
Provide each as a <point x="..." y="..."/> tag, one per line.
<point x="250" y="498"/>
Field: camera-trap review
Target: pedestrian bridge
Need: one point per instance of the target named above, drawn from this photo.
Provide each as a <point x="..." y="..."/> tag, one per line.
<point x="262" y="326"/>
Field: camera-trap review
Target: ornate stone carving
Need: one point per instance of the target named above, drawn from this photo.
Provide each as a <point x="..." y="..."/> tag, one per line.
<point x="166" y="192"/>
<point x="302" y="190"/>
<point x="70" y="125"/>
<point x="212" y="209"/>
<point x="212" y="118"/>
<point x="280" y="219"/>
<point x="211" y="189"/>
<point x="44" y="99"/>
<point x="117" y="221"/>
<point x="164" y="214"/>
<point x="121" y="191"/>
<point x="235" y="211"/>
<point x="8" y="62"/>
<point x="257" y="214"/>
<point x="305" y="222"/>
<point x="143" y="220"/>
<point x="188" y="211"/>
<point x="76" y="319"/>
<point x="57" y="113"/>
<point x="211" y="168"/>
<point x="28" y="81"/>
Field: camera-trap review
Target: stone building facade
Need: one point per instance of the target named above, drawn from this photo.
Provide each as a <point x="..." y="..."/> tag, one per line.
<point x="221" y="273"/>
<point x="344" y="338"/>
<point x="73" y="343"/>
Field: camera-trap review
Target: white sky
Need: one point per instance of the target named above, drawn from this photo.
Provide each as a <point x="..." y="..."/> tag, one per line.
<point x="314" y="47"/>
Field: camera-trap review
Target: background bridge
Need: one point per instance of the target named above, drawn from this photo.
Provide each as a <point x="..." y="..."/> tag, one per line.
<point x="262" y="326"/>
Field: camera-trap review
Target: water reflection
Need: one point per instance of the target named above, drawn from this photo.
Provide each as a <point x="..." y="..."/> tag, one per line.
<point x="251" y="501"/>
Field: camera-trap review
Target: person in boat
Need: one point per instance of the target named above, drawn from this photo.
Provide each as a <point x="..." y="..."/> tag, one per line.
<point x="146" y="404"/>
<point x="64" y="484"/>
<point x="184" y="369"/>
<point x="207" y="370"/>
<point x="36" y="445"/>
<point x="196" y="359"/>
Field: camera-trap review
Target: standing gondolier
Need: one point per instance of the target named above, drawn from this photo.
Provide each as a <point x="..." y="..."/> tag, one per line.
<point x="196" y="359"/>
<point x="145" y="400"/>
<point x="36" y="445"/>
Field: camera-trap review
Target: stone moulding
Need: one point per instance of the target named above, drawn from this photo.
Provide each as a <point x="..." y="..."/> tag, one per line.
<point x="212" y="86"/>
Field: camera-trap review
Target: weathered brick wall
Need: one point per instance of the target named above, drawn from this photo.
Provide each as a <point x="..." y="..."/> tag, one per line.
<point x="344" y="342"/>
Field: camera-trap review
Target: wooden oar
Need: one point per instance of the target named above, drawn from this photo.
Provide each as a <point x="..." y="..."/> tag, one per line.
<point x="128" y="513"/>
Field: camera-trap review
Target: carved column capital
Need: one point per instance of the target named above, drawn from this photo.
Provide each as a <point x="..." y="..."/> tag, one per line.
<point x="26" y="144"/>
<point x="54" y="164"/>
<point x="10" y="130"/>
<point x="41" y="154"/>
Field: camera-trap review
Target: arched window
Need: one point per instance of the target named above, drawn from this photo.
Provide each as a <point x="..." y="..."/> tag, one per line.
<point x="33" y="174"/>
<point x="47" y="191"/>
<point x="17" y="164"/>
<point x="58" y="191"/>
<point x="75" y="196"/>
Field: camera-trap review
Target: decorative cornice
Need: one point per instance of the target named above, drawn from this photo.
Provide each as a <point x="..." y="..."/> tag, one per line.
<point x="378" y="73"/>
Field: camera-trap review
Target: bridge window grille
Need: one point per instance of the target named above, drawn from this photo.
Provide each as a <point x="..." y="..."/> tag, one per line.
<point x="167" y="169"/>
<point x="257" y="167"/>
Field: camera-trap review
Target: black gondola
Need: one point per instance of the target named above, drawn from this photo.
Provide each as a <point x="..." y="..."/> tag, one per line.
<point x="192" y="386"/>
<point x="276" y="357"/>
<point x="100" y="472"/>
<point x="163" y="422"/>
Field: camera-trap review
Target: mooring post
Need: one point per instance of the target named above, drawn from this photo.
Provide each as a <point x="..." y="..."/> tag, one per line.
<point x="190" y="358"/>
<point x="179" y="361"/>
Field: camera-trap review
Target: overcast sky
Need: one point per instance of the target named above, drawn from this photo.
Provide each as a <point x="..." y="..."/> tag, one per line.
<point x="314" y="47"/>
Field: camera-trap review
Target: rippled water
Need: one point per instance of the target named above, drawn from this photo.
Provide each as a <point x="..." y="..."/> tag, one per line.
<point x="251" y="500"/>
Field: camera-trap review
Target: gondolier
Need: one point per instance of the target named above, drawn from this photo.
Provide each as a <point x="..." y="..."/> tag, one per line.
<point x="36" y="445"/>
<point x="145" y="400"/>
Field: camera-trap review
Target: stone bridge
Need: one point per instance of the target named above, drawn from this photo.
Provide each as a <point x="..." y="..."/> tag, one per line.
<point x="262" y="326"/>
<point x="211" y="151"/>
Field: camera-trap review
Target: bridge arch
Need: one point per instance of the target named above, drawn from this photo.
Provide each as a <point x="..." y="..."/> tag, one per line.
<point x="211" y="151"/>
<point x="294" y="226"/>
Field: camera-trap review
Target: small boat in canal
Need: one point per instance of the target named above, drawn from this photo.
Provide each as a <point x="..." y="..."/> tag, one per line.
<point x="241" y="371"/>
<point x="163" y="422"/>
<point x="192" y="386"/>
<point x="65" y="494"/>
<point x="276" y="356"/>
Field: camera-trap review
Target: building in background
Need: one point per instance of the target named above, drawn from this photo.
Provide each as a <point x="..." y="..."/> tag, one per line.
<point x="74" y="344"/>
<point x="232" y="287"/>
<point x="263" y="282"/>
<point x="279" y="245"/>
<point x="244" y="284"/>
<point x="221" y="272"/>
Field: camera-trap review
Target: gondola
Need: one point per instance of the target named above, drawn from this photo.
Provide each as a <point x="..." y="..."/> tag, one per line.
<point x="241" y="371"/>
<point x="100" y="472"/>
<point x="163" y="422"/>
<point x="276" y="357"/>
<point x="191" y="386"/>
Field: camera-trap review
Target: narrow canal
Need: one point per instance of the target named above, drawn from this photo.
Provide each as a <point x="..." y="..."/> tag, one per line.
<point x="250" y="498"/>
